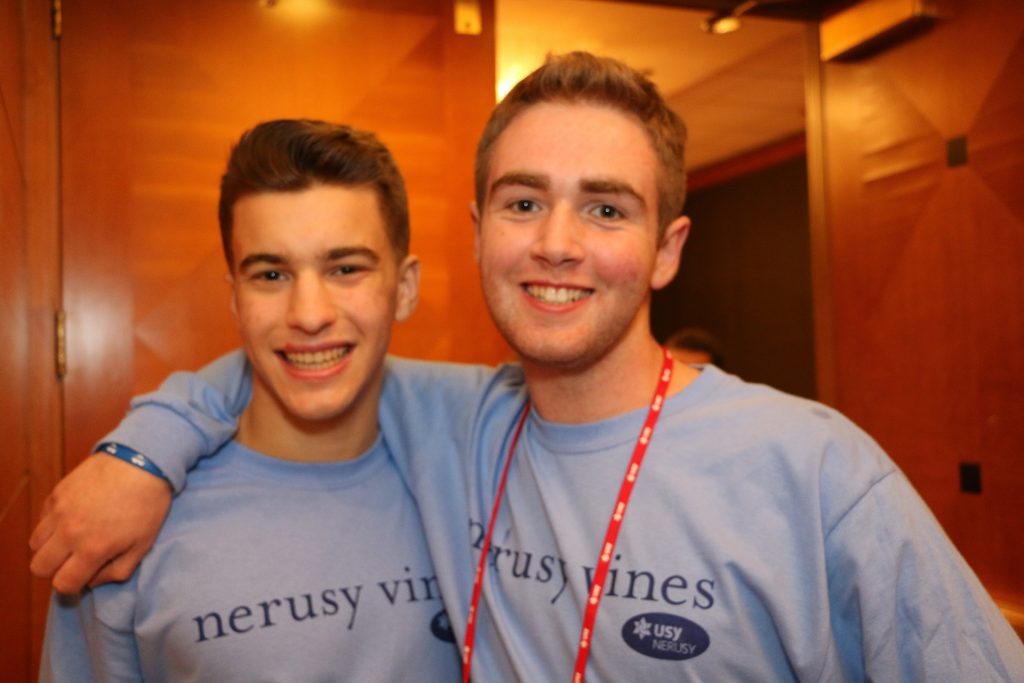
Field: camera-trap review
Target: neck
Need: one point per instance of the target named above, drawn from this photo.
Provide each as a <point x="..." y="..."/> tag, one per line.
<point x="268" y="427"/>
<point x="621" y="381"/>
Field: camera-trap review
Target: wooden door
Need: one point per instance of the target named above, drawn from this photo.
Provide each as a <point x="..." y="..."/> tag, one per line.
<point x="30" y="405"/>
<point x="15" y="486"/>
<point x="153" y="93"/>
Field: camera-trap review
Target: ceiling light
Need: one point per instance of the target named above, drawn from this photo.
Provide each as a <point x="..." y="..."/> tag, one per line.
<point x="727" y="21"/>
<point x="720" y="23"/>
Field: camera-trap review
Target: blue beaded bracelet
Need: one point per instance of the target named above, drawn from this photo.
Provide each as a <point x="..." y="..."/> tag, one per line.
<point x="132" y="457"/>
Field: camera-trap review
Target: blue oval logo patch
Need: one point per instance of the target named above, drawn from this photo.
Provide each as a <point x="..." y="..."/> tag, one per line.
<point x="441" y="627"/>
<point x="665" y="636"/>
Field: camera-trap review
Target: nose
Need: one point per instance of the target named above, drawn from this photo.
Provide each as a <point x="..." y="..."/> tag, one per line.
<point x="558" y="239"/>
<point x="311" y="308"/>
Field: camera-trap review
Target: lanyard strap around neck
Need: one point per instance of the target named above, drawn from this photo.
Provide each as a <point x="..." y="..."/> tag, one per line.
<point x="610" y="538"/>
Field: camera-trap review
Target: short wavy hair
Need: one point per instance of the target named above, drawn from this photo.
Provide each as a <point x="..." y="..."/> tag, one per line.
<point x="586" y="78"/>
<point x="287" y="155"/>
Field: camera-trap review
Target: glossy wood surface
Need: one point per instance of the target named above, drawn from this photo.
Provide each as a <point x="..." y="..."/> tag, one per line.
<point x="29" y="295"/>
<point x="14" y="479"/>
<point x="927" y="269"/>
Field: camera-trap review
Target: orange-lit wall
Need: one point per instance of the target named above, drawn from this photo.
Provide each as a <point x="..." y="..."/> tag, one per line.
<point x="15" y="508"/>
<point x="925" y="268"/>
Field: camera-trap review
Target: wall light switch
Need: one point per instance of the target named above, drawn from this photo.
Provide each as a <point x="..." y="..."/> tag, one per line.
<point x="970" y="477"/>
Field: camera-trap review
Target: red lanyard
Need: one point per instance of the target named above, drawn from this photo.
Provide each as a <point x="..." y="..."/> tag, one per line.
<point x="610" y="537"/>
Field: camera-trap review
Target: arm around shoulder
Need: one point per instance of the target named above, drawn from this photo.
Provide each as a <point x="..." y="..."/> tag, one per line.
<point x="97" y="523"/>
<point x="102" y="517"/>
<point x="190" y="416"/>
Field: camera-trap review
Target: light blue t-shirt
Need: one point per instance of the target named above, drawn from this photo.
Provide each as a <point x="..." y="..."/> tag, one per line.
<point x="768" y="539"/>
<point x="269" y="570"/>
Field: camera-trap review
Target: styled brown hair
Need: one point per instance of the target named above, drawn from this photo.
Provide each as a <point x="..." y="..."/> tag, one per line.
<point x="586" y="78"/>
<point x="287" y="155"/>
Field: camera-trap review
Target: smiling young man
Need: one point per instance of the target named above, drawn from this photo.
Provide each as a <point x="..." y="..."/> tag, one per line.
<point x="296" y="553"/>
<point x="570" y="247"/>
<point x="600" y="511"/>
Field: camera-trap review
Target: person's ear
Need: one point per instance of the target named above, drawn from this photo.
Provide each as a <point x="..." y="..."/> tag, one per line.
<point x="408" y="287"/>
<point x="233" y="301"/>
<point x="666" y="260"/>
<point x="474" y="214"/>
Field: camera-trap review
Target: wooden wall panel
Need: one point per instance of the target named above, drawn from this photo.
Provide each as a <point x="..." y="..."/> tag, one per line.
<point x="927" y="268"/>
<point x="154" y="93"/>
<point x="30" y="404"/>
<point x="15" y="646"/>
<point x="43" y="255"/>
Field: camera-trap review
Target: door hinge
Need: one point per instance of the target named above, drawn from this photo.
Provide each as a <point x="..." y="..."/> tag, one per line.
<point x="56" y="19"/>
<point x="60" y="344"/>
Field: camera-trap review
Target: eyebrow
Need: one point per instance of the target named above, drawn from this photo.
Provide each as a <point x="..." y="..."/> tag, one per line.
<point x="589" y="185"/>
<point x="346" y="252"/>
<point x="253" y="259"/>
<point x="609" y="186"/>
<point x="335" y="254"/>
<point x="534" y="180"/>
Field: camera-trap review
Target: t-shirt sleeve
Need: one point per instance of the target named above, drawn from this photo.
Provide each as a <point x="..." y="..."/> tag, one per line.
<point x="905" y="606"/>
<point x="79" y="646"/>
<point x="190" y="416"/>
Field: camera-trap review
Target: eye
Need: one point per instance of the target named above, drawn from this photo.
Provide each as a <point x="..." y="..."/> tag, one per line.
<point x="269" y="275"/>
<point x="524" y="206"/>
<point x="348" y="269"/>
<point x="606" y="212"/>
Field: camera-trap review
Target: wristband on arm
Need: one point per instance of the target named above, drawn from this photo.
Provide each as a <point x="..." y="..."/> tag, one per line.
<point x="132" y="457"/>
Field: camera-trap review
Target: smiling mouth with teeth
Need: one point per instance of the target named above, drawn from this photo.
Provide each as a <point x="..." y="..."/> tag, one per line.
<point x="557" y="295"/>
<point x="316" y="360"/>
